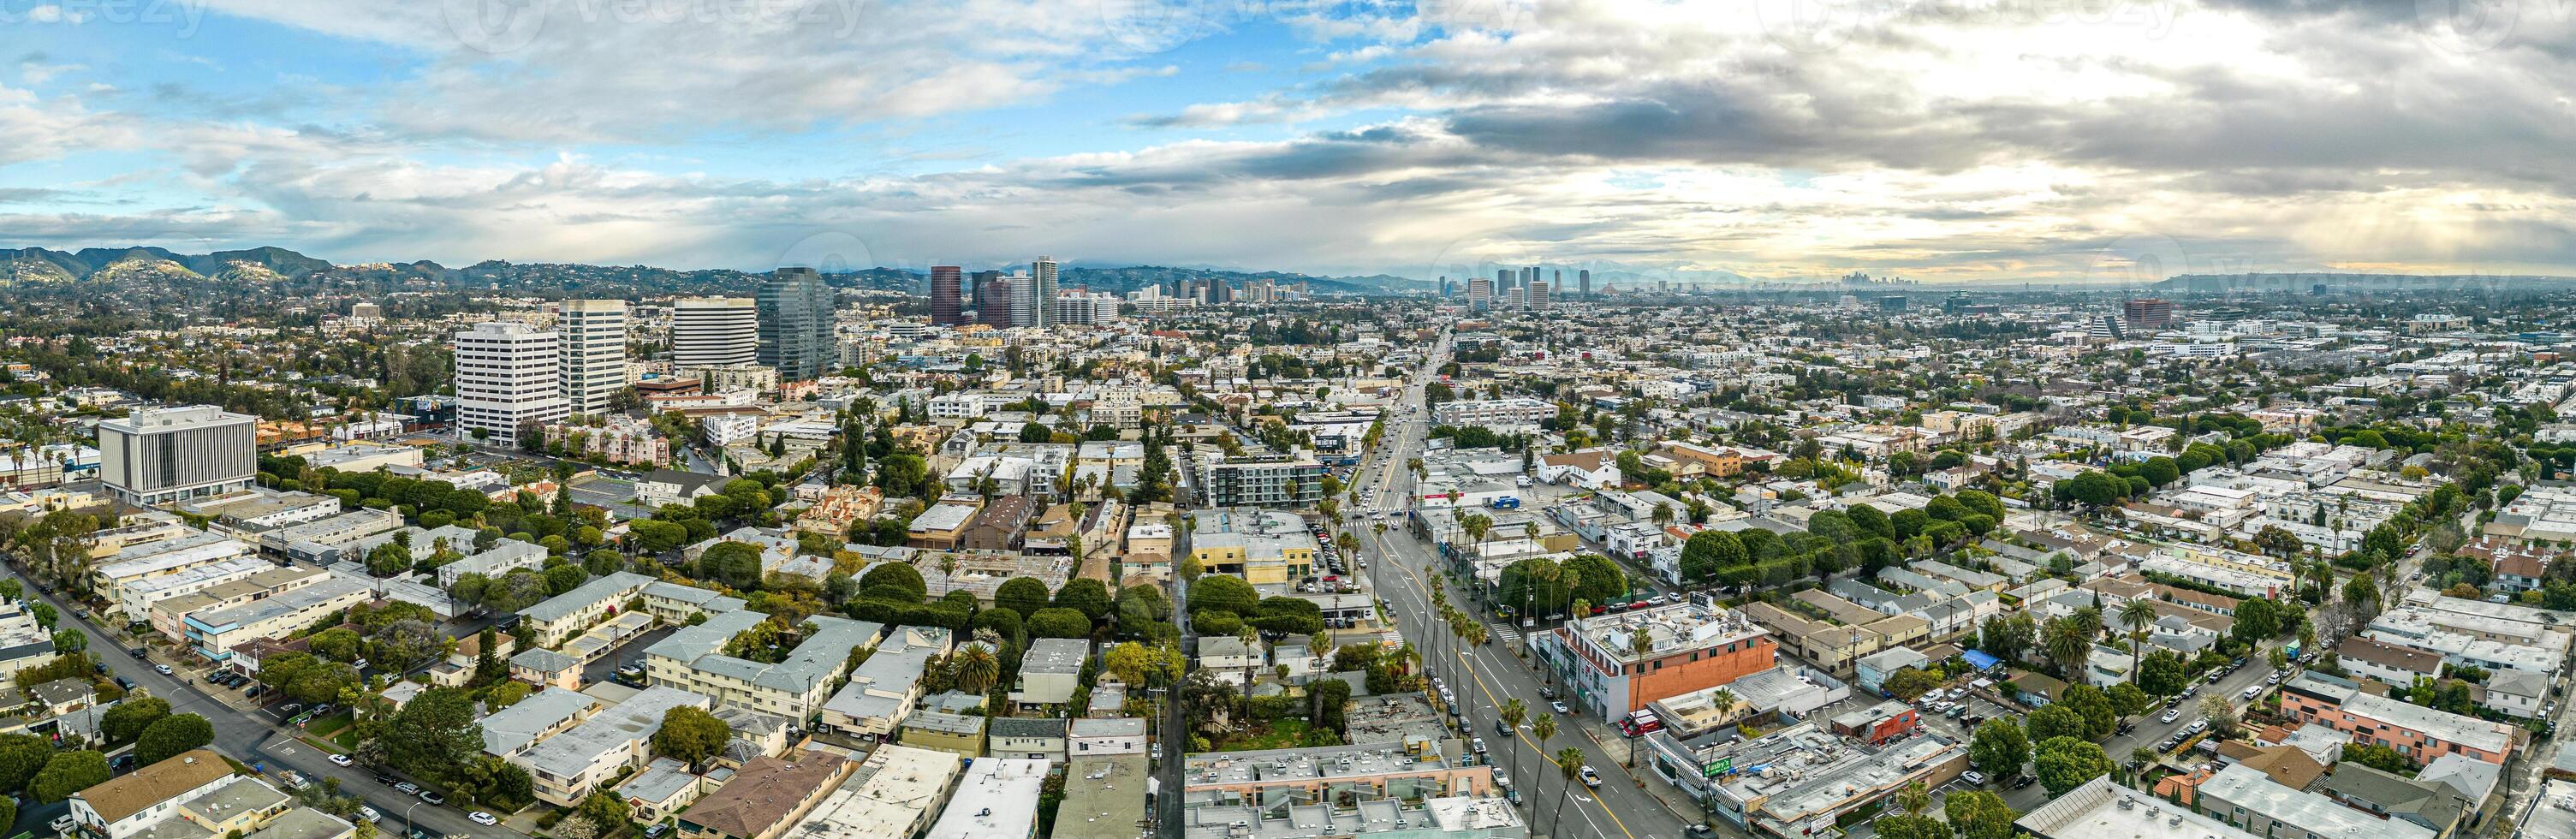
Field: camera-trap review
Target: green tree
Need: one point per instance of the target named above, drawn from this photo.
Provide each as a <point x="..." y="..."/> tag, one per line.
<point x="67" y="773"/>
<point x="1911" y="826"/>
<point x="691" y="735"/>
<point x="2064" y="763"/>
<point x="2100" y="716"/>
<point x="1026" y="595"/>
<point x="1999" y="747"/>
<point x="1908" y="682"/>
<point x="977" y="668"/>
<point x="2256" y="619"/>
<point x="434" y="735"/>
<point x="1059" y="623"/>
<point x="170" y="736"/>
<point x="1978" y="814"/>
<point x="21" y="756"/>
<point x="904" y="576"/>
<point x="1086" y="595"/>
<point x="2163" y="673"/>
<point x="2055" y="721"/>
<point x="126" y="721"/>
<point x="2128" y="700"/>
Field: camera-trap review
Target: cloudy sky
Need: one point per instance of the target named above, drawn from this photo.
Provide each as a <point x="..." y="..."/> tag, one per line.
<point x="2009" y="140"/>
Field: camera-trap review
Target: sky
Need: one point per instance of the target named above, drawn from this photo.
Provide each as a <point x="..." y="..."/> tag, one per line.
<point x="2044" y="141"/>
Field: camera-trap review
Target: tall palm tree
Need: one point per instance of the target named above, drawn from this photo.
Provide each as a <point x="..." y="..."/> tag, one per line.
<point x="2137" y="615"/>
<point x="1569" y="766"/>
<point x="1544" y="730"/>
<point x="2065" y="642"/>
<point x="1723" y="700"/>
<point x="1515" y="710"/>
<point x="1439" y="606"/>
<point x="977" y="669"/>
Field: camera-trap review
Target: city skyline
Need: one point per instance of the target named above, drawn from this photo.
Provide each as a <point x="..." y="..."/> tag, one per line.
<point x="2009" y="143"/>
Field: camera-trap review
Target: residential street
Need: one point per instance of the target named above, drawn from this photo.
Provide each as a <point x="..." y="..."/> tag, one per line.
<point x="251" y="739"/>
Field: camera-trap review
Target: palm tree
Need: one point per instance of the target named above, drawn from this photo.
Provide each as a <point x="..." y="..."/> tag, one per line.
<point x="2065" y="642"/>
<point x="1913" y="798"/>
<point x="1248" y="637"/>
<point x="1439" y="605"/>
<point x="1544" y="730"/>
<point x="1569" y="765"/>
<point x="2137" y="615"/>
<point x="1515" y="710"/>
<point x="1723" y="700"/>
<point x="1663" y="513"/>
<point x="977" y="669"/>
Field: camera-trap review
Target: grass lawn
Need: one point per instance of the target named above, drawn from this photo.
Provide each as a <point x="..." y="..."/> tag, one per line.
<point x="329" y="725"/>
<point x="324" y="745"/>
<point x="347" y="738"/>
<point x="1276" y="734"/>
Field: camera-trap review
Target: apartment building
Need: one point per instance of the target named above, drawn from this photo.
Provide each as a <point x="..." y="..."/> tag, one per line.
<point x="896" y="794"/>
<point x="1692" y="647"/>
<point x="692" y="659"/>
<point x="1496" y="414"/>
<point x="1363" y="771"/>
<point x="1050" y="672"/>
<point x="569" y="765"/>
<point x="565" y="615"/>
<point x="214" y="632"/>
<point x="881" y="692"/>
<point x="2420" y="733"/>
<point x="768" y="796"/>
<point x="168" y="615"/>
<point x="124" y="807"/>
<point x="1289" y="480"/>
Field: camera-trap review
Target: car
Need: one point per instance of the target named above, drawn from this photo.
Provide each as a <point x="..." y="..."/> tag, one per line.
<point x="407" y="788"/>
<point x="1699" y="831"/>
<point x="382" y="778"/>
<point x="656" y="831"/>
<point x="1559" y="708"/>
<point x="1590" y="778"/>
<point x="64" y="823"/>
<point x="431" y="797"/>
<point x="1479" y="745"/>
<point x="136" y="652"/>
<point x="2251" y="690"/>
<point x="2171" y="714"/>
<point x="1156" y="751"/>
<point x="1513" y="796"/>
<point x="2125" y="727"/>
<point x="360" y="664"/>
<point x="1545" y="692"/>
<point x="370" y="814"/>
<point x="289" y="709"/>
<point x="339" y="760"/>
<point x="124" y="683"/>
<point x="1973" y="777"/>
<point x="251" y="691"/>
<point x="1502" y="729"/>
<point x="483" y="818"/>
<point x="2023" y="781"/>
<point x="1502" y="780"/>
<point x="2274" y="679"/>
<point x="2197" y="726"/>
<point x="162" y="669"/>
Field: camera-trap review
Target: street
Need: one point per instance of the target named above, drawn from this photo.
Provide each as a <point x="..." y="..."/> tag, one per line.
<point x="1484" y="677"/>
<point x="254" y="740"/>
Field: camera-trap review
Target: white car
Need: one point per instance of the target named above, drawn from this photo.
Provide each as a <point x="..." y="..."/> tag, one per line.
<point x="2171" y="715"/>
<point x="2251" y="690"/>
<point x="2197" y="726"/>
<point x="162" y="669"/>
<point x="483" y="818"/>
<point x="1590" y="778"/>
<point x="339" y="760"/>
<point x="1973" y="777"/>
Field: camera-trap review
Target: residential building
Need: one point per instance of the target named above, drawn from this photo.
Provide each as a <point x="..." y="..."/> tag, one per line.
<point x="795" y="311"/>
<point x="1360" y="771"/>
<point x="882" y="690"/>
<point x="1496" y="414"/>
<point x="1784" y="783"/>
<point x="896" y="793"/>
<point x="124" y="807"/>
<point x="534" y="718"/>
<point x="1295" y="479"/>
<point x="1690" y="647"/>
<point x="997" y="798"/>
<point x="1110" y="801"/>
<point x="155" y="457"/>
<point x="768" y="796"/>
<point x="593" y="347"/>
<point x="169" y="615"/>
<point x="508" y="381"/>
<point x="213" y="633"/>
<point x="2246" y="798"/>
<point x="2418" y="732"/>
<point x="1050" y="672"/>
<point x="568" y="766"/>
<point x="794" y="688"/>
<point x="714" y="331"/>
<point x="559" y="618"/>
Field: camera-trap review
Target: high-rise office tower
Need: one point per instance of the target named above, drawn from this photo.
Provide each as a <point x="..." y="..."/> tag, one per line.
<point x="1538" y="294"/>
<point x="506" y="378"/>
<point x="1444" y="287"/>
<point x="1042" y="275"/>
<point x="1024" y="299"/>
<point x="1480" y="292"/>
<point x="795" y="324"/>
<point x="167" y="455"/>
<point x="714" y="332"/>
<point x="1503" y="281"/>
<point x="1584" y="278"/>
<point x="2148" y="313"/>
<point x="947" y="295"/>
<point x="591" y="335"/>
<point x="994" y="288"/>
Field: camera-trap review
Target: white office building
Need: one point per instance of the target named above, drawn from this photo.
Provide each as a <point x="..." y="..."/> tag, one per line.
<point x="714" y="332"/>
<point x="506" y="379"/>
<point x="593" y="335"/>
<point x="177" y="454"/>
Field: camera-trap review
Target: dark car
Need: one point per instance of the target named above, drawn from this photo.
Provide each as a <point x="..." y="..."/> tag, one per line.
<point x="2022" y="781"/>
<point x="136" y="652"/>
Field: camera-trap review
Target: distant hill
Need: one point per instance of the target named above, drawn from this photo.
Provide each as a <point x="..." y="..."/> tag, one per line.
<point x="271" y="266"/>
<point x="2304" y="282"/>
